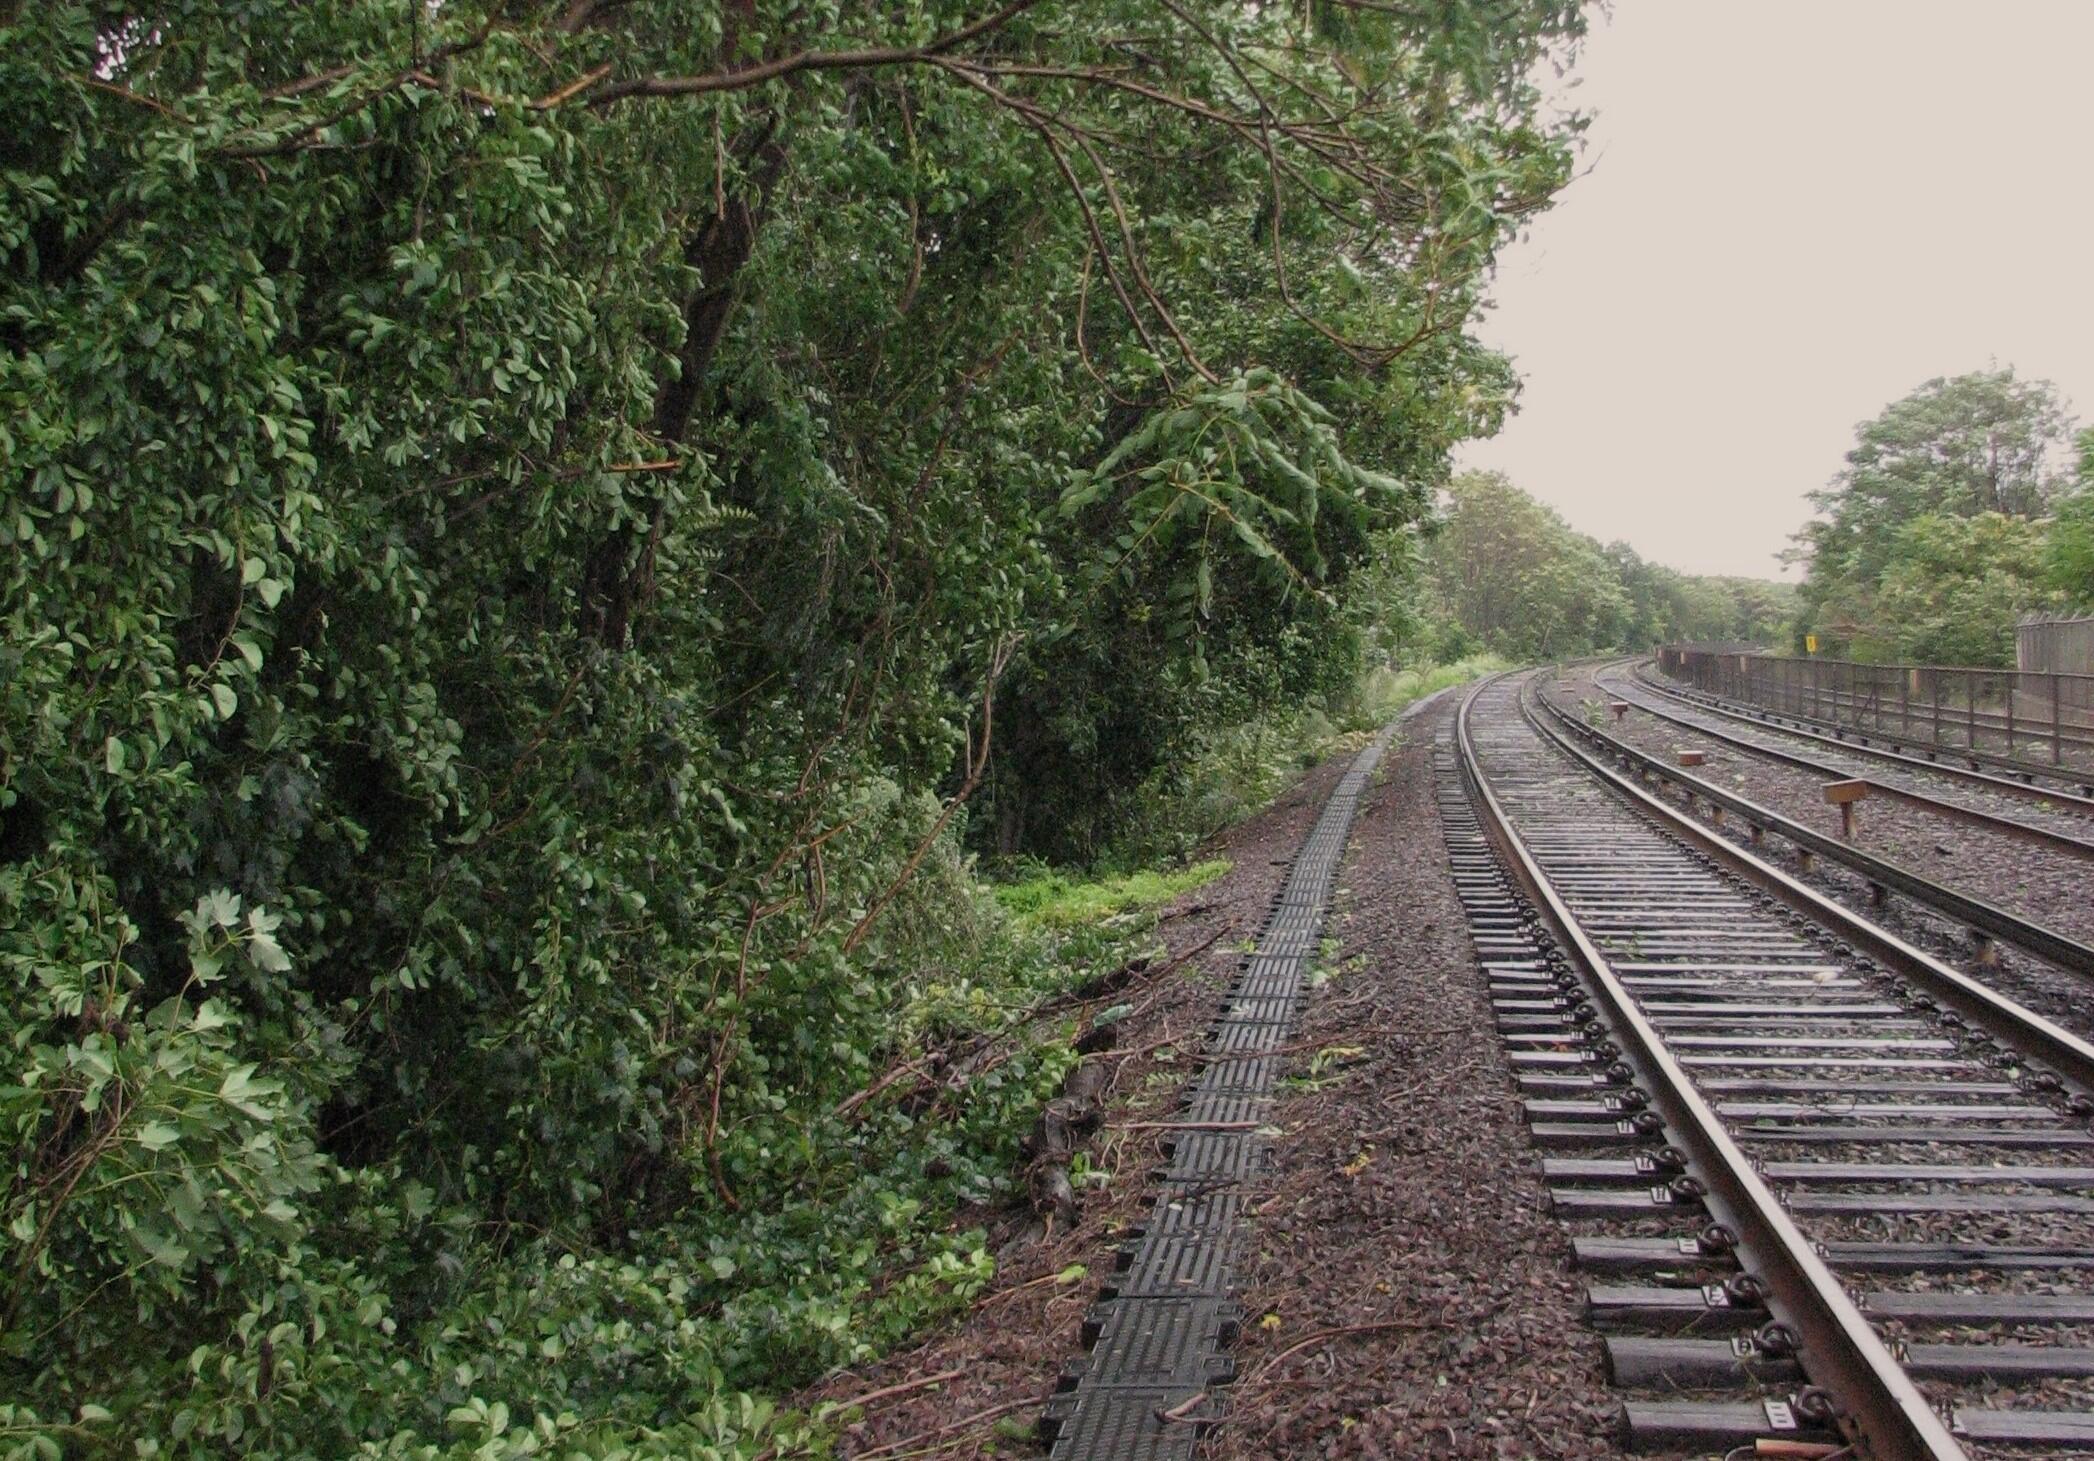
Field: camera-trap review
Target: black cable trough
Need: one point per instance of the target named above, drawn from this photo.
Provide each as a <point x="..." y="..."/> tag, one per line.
<point x="1156" y="1343"/>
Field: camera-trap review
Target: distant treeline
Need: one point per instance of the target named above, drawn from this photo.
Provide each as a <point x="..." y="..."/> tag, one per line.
<point x="1506" y="573"/>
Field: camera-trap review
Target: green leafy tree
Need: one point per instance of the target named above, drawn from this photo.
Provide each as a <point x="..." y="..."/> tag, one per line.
<point x="527" y="527"/>
<point x="1956" y="586"/>
<point x="2070" y="554"/>
<point x="1986" y="442"/>
<point x="1517" y="577"/>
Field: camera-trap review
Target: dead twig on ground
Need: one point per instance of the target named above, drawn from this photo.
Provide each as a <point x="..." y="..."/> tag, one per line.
<point x="888" y="1392"/>
<point x="1339" y="1332"/>
<point x="965" y="1423"/>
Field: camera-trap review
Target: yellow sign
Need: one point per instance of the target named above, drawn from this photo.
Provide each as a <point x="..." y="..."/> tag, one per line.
<point x="1810" y="643"/>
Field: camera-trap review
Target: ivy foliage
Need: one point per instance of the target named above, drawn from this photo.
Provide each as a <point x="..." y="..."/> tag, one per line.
<point x="534" y="536"/>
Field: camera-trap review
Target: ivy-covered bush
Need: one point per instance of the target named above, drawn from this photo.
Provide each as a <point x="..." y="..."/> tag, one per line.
<point x="535" y="535"/>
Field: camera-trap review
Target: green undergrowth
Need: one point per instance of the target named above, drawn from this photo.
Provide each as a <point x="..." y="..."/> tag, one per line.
<point x="1385" y="694"/>
<point x="1049" y="899"/>
<point x="411" y="1330"/>
<point x="1241" y="770"/>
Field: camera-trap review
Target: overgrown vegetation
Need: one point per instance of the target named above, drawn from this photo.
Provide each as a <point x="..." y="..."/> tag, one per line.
<point x="1235" y="770"/>
<point x="537" y="537"/>
<point x="1957" y="513"/>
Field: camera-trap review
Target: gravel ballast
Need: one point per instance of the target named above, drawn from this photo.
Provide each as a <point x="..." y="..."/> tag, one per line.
<point x="1408" y="1294"/>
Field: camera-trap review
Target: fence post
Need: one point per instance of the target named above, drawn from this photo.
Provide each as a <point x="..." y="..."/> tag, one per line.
<point x="1970" y="703"/>
<point x="1934" y="687"/>
<point x="2013" y="689"/>
<point x="1904" y="701"/>
<point x="2057" y="722"/>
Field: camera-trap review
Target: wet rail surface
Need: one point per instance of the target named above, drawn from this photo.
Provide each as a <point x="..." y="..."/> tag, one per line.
<point x="1814" y="1195"/>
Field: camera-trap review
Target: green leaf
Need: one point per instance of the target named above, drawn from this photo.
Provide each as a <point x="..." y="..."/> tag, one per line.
<point x="224" y="699"/>
<point x="219" y="908"/>
<point x="113" y="755"/>
<point x="266" y="954"/>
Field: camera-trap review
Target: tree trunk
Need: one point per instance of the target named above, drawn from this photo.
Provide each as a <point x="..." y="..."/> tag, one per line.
<point x="620" y="568"/>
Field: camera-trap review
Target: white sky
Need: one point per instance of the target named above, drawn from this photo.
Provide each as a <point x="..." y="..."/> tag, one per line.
<point x="1796" y="211"/>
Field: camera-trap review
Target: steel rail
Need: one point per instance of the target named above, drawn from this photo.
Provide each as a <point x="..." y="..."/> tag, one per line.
<point x="1880" y="1406"/>
<point x="1862" y="743"/>
<point x="2071" y="1057"/>
<point x="1936" y="806"/>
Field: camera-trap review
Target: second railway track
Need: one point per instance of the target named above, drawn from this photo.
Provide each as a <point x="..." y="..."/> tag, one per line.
<point x="2067" y="785"/>
<point x="2049" y="816"/>
<point x="1965" y="891"/>
<point x="1821" y="1179"/>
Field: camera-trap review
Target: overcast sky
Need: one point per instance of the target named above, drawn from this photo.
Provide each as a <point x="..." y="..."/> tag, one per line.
<point x="1795" y="212"/>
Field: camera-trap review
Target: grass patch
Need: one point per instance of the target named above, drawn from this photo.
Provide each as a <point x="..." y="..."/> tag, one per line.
<point x="1055" y="900"/>
<point x="1383" y="693"/>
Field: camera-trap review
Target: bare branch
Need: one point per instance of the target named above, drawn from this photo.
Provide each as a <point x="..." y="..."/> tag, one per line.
<point x="742" y="78"/>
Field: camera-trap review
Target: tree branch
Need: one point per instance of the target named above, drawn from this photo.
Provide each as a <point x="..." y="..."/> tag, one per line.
<point x="742" y="78"/>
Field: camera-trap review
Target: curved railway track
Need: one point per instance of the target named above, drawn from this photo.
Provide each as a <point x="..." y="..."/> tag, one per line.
<point x="2026" y="781"/>
<point x="2047" y="818"/>
<point x="1828" y="1183"/>
<point x="1985" y="920"/>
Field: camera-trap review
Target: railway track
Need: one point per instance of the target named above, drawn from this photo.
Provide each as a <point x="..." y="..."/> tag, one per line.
<point x="1986" y="921"/>
<point x="1827" y="1185"/>
<point x="2067" y="786"/>
<point x="2047" y="818"/>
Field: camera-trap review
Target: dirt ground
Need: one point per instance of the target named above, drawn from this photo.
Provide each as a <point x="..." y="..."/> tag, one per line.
<point x="1406" y="1293"/>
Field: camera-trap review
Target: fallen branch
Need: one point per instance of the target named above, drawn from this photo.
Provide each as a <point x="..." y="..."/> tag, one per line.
<point x="1177" y="961"/>
<point x="1032" y="1283"/>
<point x="1338" y="1333"/>
<point x="1150" y="1048"/>
<point x="1190" y="910"/>
<point x="957" y="1066"/>
<point x="887" y="1392"/>
<point x="852" y="1102"/>
<point x="1183" y="1411"/>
